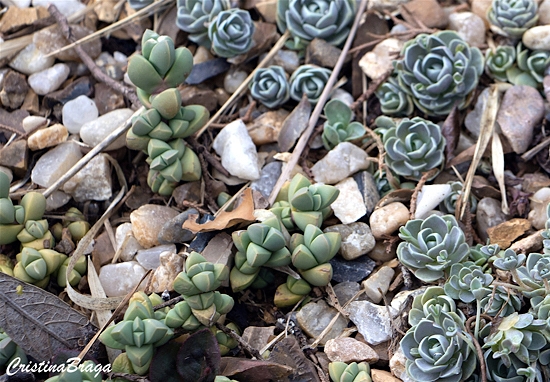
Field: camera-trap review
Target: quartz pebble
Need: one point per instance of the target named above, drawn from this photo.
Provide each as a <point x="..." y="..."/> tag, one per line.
<point x="77" y="112"/>
<point x="376" y="62"/>
<point x="55" y="163"/>
<point x="31" y="60"/>
<point x="92" y="182"/>
<point x="386" y="220"/>
<point x="120" y="279"/>
<point x="539" y="201"/>
<point x="126" y="242"/>
<point x="429" y="198"/>
<point x="488" y="214"/>
<point x="18" y="3"/>
<point x="233" y="80"/>
<point x="469" y="26"/>
<point x="56" y="200"/>
<point x="93" y="132"/>
<point x="150" y="258"/>
<point x="48" y="137"/>
<point x="537" y="38"/>
<point x="314" y="317"/>
<point x="348" y="206"/>
<point x="171" y="264"/>
<point x="381" y="279"/>
<point x="382" y="376"/>
<point x="237" y="151"/>
<point x="372" y="321"/>
<point x="357" y="239"/>
<point x="399" y="301"/>
<point x="287" y="59"/>
<point x="33" y="122"/>
<point x="148" y="220"/>
<point x="48" y="80"/>
<point x="340" y="162"/>
<point x="348" y="350"/>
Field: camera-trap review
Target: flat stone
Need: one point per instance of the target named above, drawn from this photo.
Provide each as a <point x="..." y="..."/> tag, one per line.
<point x="94" y="132"/>
<point x="106" y="99"/>
<point x="386" y="220"/>
<point x="488" y="214"/>
<point x="372" y="321"/>
<point x="506" y="232"/>
<point x="382" y="376"/>
<point x="346" y="291"/>
<point x="93" y="182"/>
<point x="31" y="60"/>
<point x="539" y="201"/>
<point x="473" y="118"/>
<point x="348" y="206"/>
<point x="342" y="161"/>
<point x="348" y="350"/>
<point x="103" y="251"/>
<point x="187" y="192"/>
<point x="537" y="37"/>
<point x="233" y="79"/>
<point x="77" y="112"/>
<point x="219" y="250"/>
<point x="429" y="12"/>
<point x="381" y="279"/>
<point x="148" y="220"/>
<point x="258" y="336"/>
<point x="321" y="53"/>
<point x="357" y="239"/>
<point x="18" y="17"/>
<point x="380" y="254"/>
<point x="80" y="86"/>
<point x="15" y="156"/>
<point x="288" y="352"/>
<point x="48" y="137"/>
<point x="126" y="242"/>
<point x="266" y="128"/>
<point x="172" y="231"/>
<point x="193" y="95"/>
<point x="351" y="270"/>
<point x="120" y="279"/>
<point x="14" y="90"/>
<point x="150" y="258"/>
<point x="369" y="190"/>
<point x="55" y="163"/>
<point x="376" y="62"/>
<point x="521" y="109"/>
<point x="544" y="12"/>
<point x="314" y="317"/>
<point x="469" y="26"/>
<point x="287" y="59"/>
<point x="49" y="40"/>
<point x="268" y="177"/>
<point x="48" y="80"/>
<point x="399" y="301"/>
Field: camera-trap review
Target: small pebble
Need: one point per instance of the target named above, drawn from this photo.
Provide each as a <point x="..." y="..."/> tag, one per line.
<point x="376" y="62"/>
<point x="348" y="350"/>
<point x="266" y="128"/>
<point x="429" y="198"/>
<point x="429" y="12"/>
<point x="148" y="220"/>
<point x="537" y="38"/>
<point x="473" y="118"/>
<point x="201" y="55"/>
<point x="399" y="301"/>
<point x="397" y="366"/>
<point x="340" y="162"/>
<point x="382" y="376"/>
<point x="342" y="95"/>
<point x="539" y="201"/>
<point x="469" y="26"/>
<point x="77" y="112"/>
<point x="314" y="317"/>
<point x="348" y="206"/>
<point x="321" y="53"/>
<point x="258" y="336"/>
<point x="150" y="258"/>
<point x="92" y="182"/>
<point x="171" y="264"/>
<point x="369" y="190"/>
<point x="126" y="242"/>
<point x="172" y="231"/>
<point x="93" y="132"/>
<point x="372" y="321"/>
<point x="346" y="291"/>
<point x="544" y="12"/>
<point x="120" y="279"/>
<point x="48" y="80"/>
<point x="357" y="239"/>
<point x="488" y="214"/>
<point x="379" y="252"/>
<point x="268" y="177"/>
<point x="55" y="163"/>
<point x="33" y="122"/>
<point x="480" y="8"/>
<point x="386" y="220"/>
<point x="287" y="59"/>
<point x="31" y="60"/>
<point x="381" y="279"/>
<point x="219" y="250"/>
<point x="56" y="200"/>
<point x="48" y="137"/>
<point x="233" y="80"/>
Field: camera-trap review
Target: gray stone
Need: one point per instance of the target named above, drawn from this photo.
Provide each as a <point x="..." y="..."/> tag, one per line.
<point x="537" y="37"/>
<point x="148" y="220"/>
<point x="126" y="242"/>
<point x="372" y="321"/>
<point x="376" y="62"/>
<point x="380" y="280"/>
<point x="56" y="200"/>
<point x="258" y="336"/>
<point x="357" y="239"/>
<point x="187" y="192"/>
<point x="234" y="79"/>
<point x="367" y="185"/>
<point x="473" y="118"/>
<point x="268" y="177"/>
<point x="342" y="161"/>
<point x="48" y="80"/>
<point x="342" y="95"/>
<point x="172" y="231"/>
<point x="93" y="182"/>
<point x="348" y="206"/>
<point x="93" y="132"/>
<point x="351" y="270"/>
<point x="488" y="214"/>
<point x="346" y="291"/>
<point x="348" y="350"/>
<point x="321" y="53"/>
<point x="521" y="109"/>
<point x="65" y="7"/>
<point x="469" y="26"/>
<point x="314" y="317"/>
<point x="288" y="59"/>
<point x="380" y="254"/>
<point x="219" y="250"/>
<point x="77" y="112"/>
<point x="150" y="258"/>
<point x="120" y="279"/>
<point x="55" y="163"/>
<point x="399" y="300"/>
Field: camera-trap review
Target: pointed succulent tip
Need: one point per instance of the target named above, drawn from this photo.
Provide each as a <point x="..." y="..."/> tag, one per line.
<point x="34" y="204"/>
<point x="167" y="103"/>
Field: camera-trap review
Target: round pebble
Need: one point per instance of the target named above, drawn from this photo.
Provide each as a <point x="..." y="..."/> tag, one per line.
<point x="537" y="37"/>
<point x="48" y="80"/>
<point x="233" y="80"/>
<point x="31" y="60"/>
<point x="469" y="26"/>
<point x="77" y="112"/>
<point x="386" y="220"/>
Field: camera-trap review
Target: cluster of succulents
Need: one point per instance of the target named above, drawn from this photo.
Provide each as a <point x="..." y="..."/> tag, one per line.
<point x="438" y="71"/>
<point x="309" y="19"/>
<point x="512" y="18"/>
<point x="412" y="146"/>
<point x="339" y="126"/>
<point x="393" y="99"/>
<point x="75" y="222"/>
<point x="160" y="129"/>
<point x="353" y="372"/>
<point x="291" y="292"/>
<point x="194" y="16"/>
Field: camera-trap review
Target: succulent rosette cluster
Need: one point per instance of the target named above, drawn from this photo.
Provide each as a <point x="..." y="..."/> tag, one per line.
<point x="194" y="16"/>
<point x="512" y="17"/>
<point x="310" y="80"/>
<point x="339" y="126"/>
<point x="231" y="33"/>
<point x="393" y="99"/>
<point x="309" y="19"/>
<point x="270" y="86"/>
<point x="448" y="205"/>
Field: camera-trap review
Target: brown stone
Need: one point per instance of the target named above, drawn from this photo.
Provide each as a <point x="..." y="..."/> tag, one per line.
<point x="15" y="157"/>
<point x="16" y="18"/>
<point x="382" y="351"/>
<point x="505" y="233"/>
<point x="266" y="128"/>
<point x="258" y="336"/>
<point x="148" y="220"/>
<point x="194" y="95"/>
<point x="31" y="103"/>
<point x="103" y="251"/>
<point x="428" y="12"/>
<point x="382" y="376"/>
<point x="321" y="53"/>
<point x="48" y="137"/>
<point x="14" y="90"/>
<point x="348" y="349"/>
<point x="379" y="252"/>
<point x="107" y="99"/>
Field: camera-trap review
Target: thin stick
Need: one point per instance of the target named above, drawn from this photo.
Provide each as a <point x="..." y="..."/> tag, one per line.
<point x="528" y="155"/>
<point x="244" y="85"/>
<point x="318" y="108"/>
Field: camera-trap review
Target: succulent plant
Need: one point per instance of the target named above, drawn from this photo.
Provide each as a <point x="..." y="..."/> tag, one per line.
<point x="311" y="253"/>
<point x="76" y="222"/>
<point x="310" y="80"/>
<point x="138" y="334"/>
<point x="518" y="371"/>
<point x="159" y="66"/>
<point x="225" y="341"/>
<point x="35" y="266"/>
<point x="468" y="282"/>
<point x="194" y="16"/>
<point x="534" y="275"/>
<point x="87" y="371"/>
<point x="78" y="271"/>
<point x="532" y="63"/>
<point x="478" y="256"/>
<point x="512" y="17"/>
<point x="242" y="274"/>
<point x="283" y="211"/>
<point x="433" y="301"/>
<point x="309" y="19"/>
<point x="9" y="351"/>
<point x="36" y="235"/>
<point x="413" y="146"/>
<point x="138" y="4"/>
<point x="499" y="60"/>
<point x="181" y="316"/>
<point x="6" y="265"/>
<point x="448" y="205"/>
<point x="431" y="246"/>
<point x="338" y="126"/>
<point x="353" y="372"/>
<point x="393" y="100"/>
<point x="270" y="86"/>
<point x="439" y="349"/>
<point x="500" y="302"/>
<point x="291" y="292"/>
<point x="509" y="260"/>
<point x="231" y="33"/>
<point x="439" y="71"/>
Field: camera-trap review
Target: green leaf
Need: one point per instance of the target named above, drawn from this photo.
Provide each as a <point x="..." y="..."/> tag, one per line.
<point x="337" y="111"/>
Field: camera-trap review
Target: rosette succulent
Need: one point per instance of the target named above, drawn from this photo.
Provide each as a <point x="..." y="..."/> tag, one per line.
<point x="338" y="126"/>
<point x="509" y="260"/>
<point x="310" y="80"/>
<point x="413" y="146"/>
<point x="353" y="372"/>
<point x="431" y="246"/>
<point x="393" y="100"/>
<point x="291" y="292"/>
<point x="309" y="19"/>
<point x="499" y="60"/>
<point x="270" y="86"/>
<point x="517" y="371"/>
<point x="512" y="17"/>
<point x="439" y="71"/>
<point x="433" y="302"/>
<point x="231" y="33"/>
<point x="532" y="64"/>
<point x="468" y="282"/>
<point x="311" y="253"/>
<point x="534" y="276"/>
<point x="448" y="205"/>
<point x="194" y="16"/>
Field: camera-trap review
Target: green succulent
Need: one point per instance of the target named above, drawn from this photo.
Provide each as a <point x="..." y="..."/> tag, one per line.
<point x="517" y="371"/>
<point x="433" y="301"/>
<point x="478" y="256"/>
<point x="353" y="372"/>
<point x="6" y="265"/>
<point x="431" y="246"/>
<point x="512" y="17"/>
<point x="79" y="270"/>
<point x="532" y="64"/>
<point x="413" y="146"/>
<point x="448" y="205"/>
<point x="438" y="349"/>
<point x="393" y="100"/>
<point x="439" y="71"/>
<point x="76" y="222"/>
<point x="35" y="266"/>
<point x="338" y="126"/>
<point x="468" y="282"/>
<point x="9" y="351"/>
<point x="291" y="292"/>
<point x="181" y="316"/>
<point x="36" y="235"/>
<point x="500" y="302"/>
<point x="270" y="86"/>
<point x="509" y="260"/>
<point x="311" y="253"/>
<point x="13" y="218"/>
<point x="138" y="4"/>
<point x="534" y="275"/>
<point x="309" y="19"/>
<point x="225" y="341"/>
<point x="194" y="16"/>
<point x="159" y="66"/>
<point x="231" y="33"/>
<point x="310" y="80"/>
<point x="242" y="274"/>
<point x="221" y="378"/>
<point x="283" y="211"/>
<point x="87" y="371"/>
<point x="263" y="279"/>
<point x="499" y="61"/>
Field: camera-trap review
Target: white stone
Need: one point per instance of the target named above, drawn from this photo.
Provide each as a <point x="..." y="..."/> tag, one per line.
<point x="469" y="26"/>
<point x="537" y="37"/>
<point x="397" y="366"/>
<point x="349" y="205"/>
<point x="429" y="198"/>
<point x="31" y="60"/>
<point x="93" y="182"/>
<point x="17" y="3"/>
<point x="150" y="258"/>
<point x="544" y="12"/>
<point x="376" y="62"/>
<point x="65" y="7"/>
<point x="237" y="151"/>
<point x="400" y="299"/>
<point x="56" y="200"/>
<point x="77" y="112"/>
<point x="539" y="201"/>
<point x="126" y="242"/>
<point x="120" y="279"/>
<point x="93" y="132"/>
<point x="386" y="220"/>
<point x="372" y="321"/>
<point x="33" y="122"/>
<point x="379" y="280"/>
<point x="48" y="80"/>
<point x="55" y="163"/>
<point x="340" y="162"/>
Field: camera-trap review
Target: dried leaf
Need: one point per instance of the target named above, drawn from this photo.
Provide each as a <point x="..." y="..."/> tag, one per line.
<point x="40" y="322"/>
<point x="402" y="195"/>
<point x="451" y="132"/>
<point x="244" y="213"/>
<point x="243" y="369"/>
<point x="294" y="125"/>
<point x="482" y="189"/>
<point x="198" y="360"/>
<point x="164" y="363"/>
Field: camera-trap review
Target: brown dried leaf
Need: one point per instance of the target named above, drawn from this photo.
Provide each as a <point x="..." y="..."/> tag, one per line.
<point x="402" y="195"/>
<point x="451" y="132"/>
<point x="244" y="369"/>
<point x="482" y="189"/>
<point x="294" y="125"/>
<point x="244" y="213"/>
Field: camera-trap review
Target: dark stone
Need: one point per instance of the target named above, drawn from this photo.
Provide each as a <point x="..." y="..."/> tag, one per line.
<point x="351" y="270"/>
<point x="172" y="231"/>
<point x="187" y="192"/>
<point x="107" y="99"/>
<point x="208" y="69"/>
<point x="321" y="53"/>
<point x="367" y="185"/>
<point x="194" y="95"/>
<point x="15" y="157"/>
<point x="203" y="238"/>
<point x="81" y="86"/>
<point x="14" y="90"/>
<point x="268" y="177"/>
<point x="287" y="352"/>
